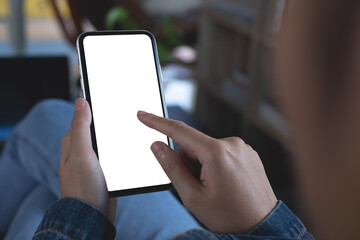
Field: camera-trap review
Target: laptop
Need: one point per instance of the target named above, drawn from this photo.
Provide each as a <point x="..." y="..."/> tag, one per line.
<point x="24" y="81"/>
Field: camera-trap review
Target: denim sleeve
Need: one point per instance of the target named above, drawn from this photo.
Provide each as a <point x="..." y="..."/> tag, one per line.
<point x="281" y="223"/>
<point x="70" y="218"/>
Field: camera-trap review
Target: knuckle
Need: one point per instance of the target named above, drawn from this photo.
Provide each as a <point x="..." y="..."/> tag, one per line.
<point x="249" y="148"/>
<point x="237" y="144"/>
<point x="169" y="164"/>
<point x="229" y="148"/>
<point x="256" y="154"/>
<point x="78" y="123"/>
<point x="236" y="141"/>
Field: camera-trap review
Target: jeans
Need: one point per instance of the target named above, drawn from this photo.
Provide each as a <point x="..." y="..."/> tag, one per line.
<point x="29" y="182"/>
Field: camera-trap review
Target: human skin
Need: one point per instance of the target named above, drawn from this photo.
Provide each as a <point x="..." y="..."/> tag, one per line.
<point x="318" y="84"/>
<point x="221" y="181"/>
<point x="80" y="173"/>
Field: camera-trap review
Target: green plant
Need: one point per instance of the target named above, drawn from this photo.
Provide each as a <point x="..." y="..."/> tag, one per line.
<point x="170" y="36"/>
<point x="118" y="17"/>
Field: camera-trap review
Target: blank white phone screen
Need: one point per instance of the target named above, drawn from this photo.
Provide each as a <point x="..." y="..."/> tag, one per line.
<point x="122" y="79"/>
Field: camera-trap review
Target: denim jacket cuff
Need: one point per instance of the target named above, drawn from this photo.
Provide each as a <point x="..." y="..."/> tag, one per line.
<point x="280" y="222"/>
<point x="70" y="218"/>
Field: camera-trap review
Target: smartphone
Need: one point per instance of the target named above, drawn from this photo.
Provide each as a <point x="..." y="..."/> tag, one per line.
<point x="120" y="74"/>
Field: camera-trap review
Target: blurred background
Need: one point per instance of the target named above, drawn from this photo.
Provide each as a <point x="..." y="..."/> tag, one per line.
<point x="216" y="58"/>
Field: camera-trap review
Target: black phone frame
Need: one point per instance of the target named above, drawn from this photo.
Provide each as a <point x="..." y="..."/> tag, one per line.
<point x="87" y="96"/>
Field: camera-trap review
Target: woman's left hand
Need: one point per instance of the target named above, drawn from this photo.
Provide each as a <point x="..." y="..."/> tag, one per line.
<point x="81" y="175"/>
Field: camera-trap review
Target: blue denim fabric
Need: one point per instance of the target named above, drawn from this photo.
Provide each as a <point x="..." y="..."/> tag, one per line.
<point x="281" y="223"/>
<point x="71" y="218"/>
<point x="75" y="219"/>
<point x="29" y="182"/>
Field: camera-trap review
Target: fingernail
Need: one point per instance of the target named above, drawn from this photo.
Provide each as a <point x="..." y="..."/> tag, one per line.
<point x="157" y="148"/>
<point x="79" y="104"/>
<point x="141" y="113"/>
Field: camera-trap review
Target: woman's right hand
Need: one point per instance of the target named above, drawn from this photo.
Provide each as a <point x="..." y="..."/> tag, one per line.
<point x="221" y="181"/>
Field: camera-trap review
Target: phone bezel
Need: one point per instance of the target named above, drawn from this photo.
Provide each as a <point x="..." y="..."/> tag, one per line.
<point x="87" y="96"/>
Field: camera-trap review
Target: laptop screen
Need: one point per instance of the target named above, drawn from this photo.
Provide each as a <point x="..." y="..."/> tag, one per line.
<point x="26" y="81"/>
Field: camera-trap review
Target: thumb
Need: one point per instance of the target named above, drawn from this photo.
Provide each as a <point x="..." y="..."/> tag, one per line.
<point x="80" y="125"/>
<point x="185" y="184"/>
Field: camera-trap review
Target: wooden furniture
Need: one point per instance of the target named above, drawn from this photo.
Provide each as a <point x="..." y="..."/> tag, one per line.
<point x="234" y="71"/>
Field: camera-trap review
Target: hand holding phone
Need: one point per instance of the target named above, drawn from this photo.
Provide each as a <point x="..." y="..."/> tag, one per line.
<point x="81" y="177"/>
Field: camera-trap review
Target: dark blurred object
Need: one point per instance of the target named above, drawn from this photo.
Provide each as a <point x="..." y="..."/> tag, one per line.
<point x="2" y="145"/>
<point x="317" y="80"/>
<point x="27" y="80"/>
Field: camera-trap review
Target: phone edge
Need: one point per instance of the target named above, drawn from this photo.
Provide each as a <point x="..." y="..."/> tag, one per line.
<point x="85" y="89"/>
